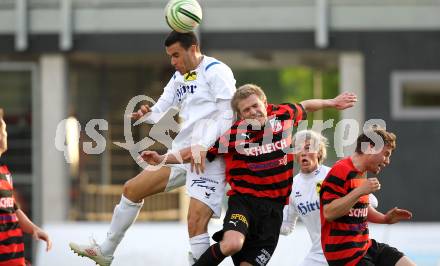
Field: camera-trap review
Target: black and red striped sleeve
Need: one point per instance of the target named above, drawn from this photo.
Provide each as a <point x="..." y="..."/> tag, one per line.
<point x="297" y="113"/>
<point x="333" y="186"/>
<point x="223" y="145"/>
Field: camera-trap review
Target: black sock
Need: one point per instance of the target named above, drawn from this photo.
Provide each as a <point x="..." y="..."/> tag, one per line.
<point x="212" y="256"/>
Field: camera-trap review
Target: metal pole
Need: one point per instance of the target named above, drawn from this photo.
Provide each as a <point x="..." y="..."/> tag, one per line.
<point x="66" y="25"/>
<point x="21" y="25"/>
<point x="322" y="21"/>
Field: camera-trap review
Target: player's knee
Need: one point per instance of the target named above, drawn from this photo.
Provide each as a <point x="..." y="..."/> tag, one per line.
<point x="231" y="246"/>
<point x="129" y="191"/>
<point x="197" y="223"/>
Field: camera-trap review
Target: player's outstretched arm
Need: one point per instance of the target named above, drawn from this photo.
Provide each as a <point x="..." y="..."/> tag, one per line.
<point x="143" y="110"/>
<point x="3" y="134"/>
<point x="196" y="155"/>
<point x="30" y="228"/>
<point x="152" y="114"/>
<point x="290" y="217"/>
<point x="342" y="101"/>
<point x="393" y="216"/>
<point x="154" y="158"/>
<point x="341" y="206"/>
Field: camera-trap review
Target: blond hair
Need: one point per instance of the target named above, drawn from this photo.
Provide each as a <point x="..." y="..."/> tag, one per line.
<point x="245" y="91"/>
<point x="318" y="142"/>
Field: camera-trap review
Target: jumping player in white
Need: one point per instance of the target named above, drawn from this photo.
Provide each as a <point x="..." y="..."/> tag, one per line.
<point x="202" y="88"/>
<point x="311" y="151"/>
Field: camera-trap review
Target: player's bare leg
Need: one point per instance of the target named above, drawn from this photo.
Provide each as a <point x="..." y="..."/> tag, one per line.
<point x="146" y="183"/>
<point x="405" y="261"/>
<point x="231" y="243"/>
<point x="199" y="215"/>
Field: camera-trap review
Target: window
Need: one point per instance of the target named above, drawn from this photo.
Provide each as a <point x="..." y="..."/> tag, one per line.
<point x="415" y="95"/>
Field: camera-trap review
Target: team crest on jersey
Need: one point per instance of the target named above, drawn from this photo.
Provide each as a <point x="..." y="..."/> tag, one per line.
<point x="283" y="161"/>
<point x="275" y="125"/>
<point x="318" y="187"/>
<point x="190" y="76"/>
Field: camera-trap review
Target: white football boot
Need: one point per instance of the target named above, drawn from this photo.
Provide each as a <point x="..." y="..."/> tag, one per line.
<point x="93" y="252"/>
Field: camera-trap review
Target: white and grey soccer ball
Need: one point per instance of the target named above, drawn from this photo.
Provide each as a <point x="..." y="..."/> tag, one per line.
<point x="183" y="15"/>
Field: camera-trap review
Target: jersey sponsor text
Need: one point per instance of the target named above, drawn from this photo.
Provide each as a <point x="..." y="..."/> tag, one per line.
<point x="266" y="148"/>
<point x="358" y="212"/>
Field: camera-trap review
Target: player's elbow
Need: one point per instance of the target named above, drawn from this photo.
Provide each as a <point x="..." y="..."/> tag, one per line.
<point x="328" y="214"/>
<point x="306" y="106"/>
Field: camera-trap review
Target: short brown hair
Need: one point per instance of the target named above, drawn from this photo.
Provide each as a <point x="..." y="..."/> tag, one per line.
<point x="245" y="91"/>
<point x="389" y="138"/>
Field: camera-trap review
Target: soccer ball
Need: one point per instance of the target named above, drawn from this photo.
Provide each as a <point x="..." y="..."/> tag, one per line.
<point x="183" y="15"/>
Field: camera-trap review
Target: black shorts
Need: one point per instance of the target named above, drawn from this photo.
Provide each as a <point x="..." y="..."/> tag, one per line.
<point x="259" y="220"/>
<point x="380" y="254"/>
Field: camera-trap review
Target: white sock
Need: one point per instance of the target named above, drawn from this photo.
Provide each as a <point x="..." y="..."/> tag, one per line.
<point x="124" y="215"/>
<point x="199" y="244"/>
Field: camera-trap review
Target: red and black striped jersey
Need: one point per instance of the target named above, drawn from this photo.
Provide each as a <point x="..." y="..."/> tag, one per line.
<point x="11" y="236"/>
<point x="259" y="159"/>
<point x="344" y="240"/>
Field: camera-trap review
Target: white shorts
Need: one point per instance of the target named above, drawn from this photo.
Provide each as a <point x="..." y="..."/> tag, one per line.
<point x="177" y="176"/>
<point x="208" y="187"/>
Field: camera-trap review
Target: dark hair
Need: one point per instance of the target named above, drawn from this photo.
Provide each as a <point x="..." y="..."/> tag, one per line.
<point x="185" y="39"/>
<point x="388" y="138"/>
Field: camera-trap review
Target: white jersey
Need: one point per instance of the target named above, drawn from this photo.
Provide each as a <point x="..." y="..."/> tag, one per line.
<point x="304" y="204"/>
<point x="196" y="96"/>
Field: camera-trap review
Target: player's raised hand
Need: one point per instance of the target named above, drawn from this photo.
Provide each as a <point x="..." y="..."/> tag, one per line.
<point x="344" y="100"/>
<point x="2" y="127"/>
<point x="396" y="215"/>
<point x="143" y="110"/>
<point x="198" y="158"/>
<point x="3" y="134"/>
<point x="2" y="122"/>
<point x="151" y="157"/>
<point x="369" y="185"/>
<point x="41" y="235"/>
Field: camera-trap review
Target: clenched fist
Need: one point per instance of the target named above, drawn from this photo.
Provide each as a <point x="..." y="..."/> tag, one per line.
<point x="369" y="185"/>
